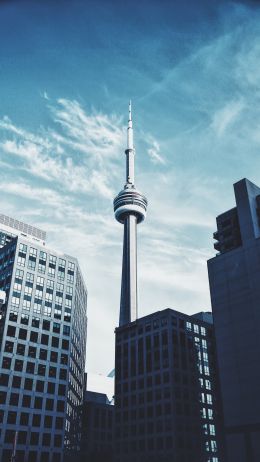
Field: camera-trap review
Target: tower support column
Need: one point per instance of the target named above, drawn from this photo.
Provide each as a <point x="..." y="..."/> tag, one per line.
<point x="128" y="304"/>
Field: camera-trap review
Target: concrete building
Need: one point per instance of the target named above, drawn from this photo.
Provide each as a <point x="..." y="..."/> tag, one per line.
<point x="43" y="340"/>
<point x="97" y="428"/>
<point x="167" y="404"/>
<point x="234" y="277"/>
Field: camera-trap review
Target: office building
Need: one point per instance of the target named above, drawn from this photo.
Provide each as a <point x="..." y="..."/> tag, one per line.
<point x="234" y="277"/>
<point x="97" y="428"/>
<point x="43" y="340"/>
<point x="167" y="404"/>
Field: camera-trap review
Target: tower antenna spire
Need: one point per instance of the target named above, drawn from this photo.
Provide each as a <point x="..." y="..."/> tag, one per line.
<point x="130" y="133"/>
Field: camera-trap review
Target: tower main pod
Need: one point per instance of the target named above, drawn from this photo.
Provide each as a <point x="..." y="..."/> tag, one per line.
<point x="130" y="209"/>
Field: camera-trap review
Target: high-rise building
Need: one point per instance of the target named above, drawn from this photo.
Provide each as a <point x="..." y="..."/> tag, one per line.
<point x="43" y="327"/>
<point x="234" y="277"/>
<point x="167" y="403"/>
<point x="97" y="428"/>
<point x="130" y="209"/>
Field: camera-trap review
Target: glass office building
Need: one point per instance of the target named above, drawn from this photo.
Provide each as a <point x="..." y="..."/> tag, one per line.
<point x="43" y="327"/>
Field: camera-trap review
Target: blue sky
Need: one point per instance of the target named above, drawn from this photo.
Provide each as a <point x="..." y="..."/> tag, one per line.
<point x="67" y="71"/>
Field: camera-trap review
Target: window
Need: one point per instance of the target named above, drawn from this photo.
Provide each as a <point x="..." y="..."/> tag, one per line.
<point x="57" y="441"/>
<point x="16" y="381"/>
<point x="40" y="283"/>
<point x="18" y="365"/>
<point x="51" y="388"/>
<point x="26" y="401"/>
<point x="46" y="439"/>
<point x="60" y="406"/>
<point x="36" y="420"/>
<point x="63" y="374"/>
<point x="11" y="331"/>
<point x="9" y="436"/>
<point x="212" y="430"/>
<point x="32" y="352"/>
<point x="48" y="421"/>
<point x="28" y="384"/>
<point x="55" y="342"/>
<point x="29" y="278"/>
<point x="4" y="378"/>
<point x="43" y="354"/>
<point x="196" y="328"/>
<point x="46" y="324"/>
<point x="44" y="339"/>
<point x="30" y="367"/>
<point x="54" y="357"/>
<point x="49" y="404"/>
<point x="34" y="438"/>
<point x="13" y="316"/>
<point x="24" y="418"/>
<point x="188" y="326"/>
<point x="22" y="437"/>
<point x="2" y="397"/>
<point x="34" y="336"/>
<point x="11" y="418"/>
<point x="37" y="402"/>
<point x="39" y="385"/>
<point x="14" y="399"/>
<point x="66" y="330"/>
<point x="47" y="309"/>
<point x="64" y="359"/>
<point x="35" y="322"/>
<point x="20" y="350"/>
<point x="22" y="334"/>
<point x="23" y="248"/>
<point x="59" y="423"/>
<point x="9" y="346"/>
<point x="56" y="327"/>
<point x="37" y="306"/>
<point x="50" y="286"/>
<point x="62" y="390"/>
<point x="6" y="364"/>
<point x="203" y="331"/>
<point x="65" y="344"/>
<point x="52" y="371"/>
<point x="25" y="319"/>
<point x="41" y="369"/>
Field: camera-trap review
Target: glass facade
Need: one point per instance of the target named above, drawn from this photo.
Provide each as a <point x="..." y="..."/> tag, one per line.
<point x="42" y="360"/>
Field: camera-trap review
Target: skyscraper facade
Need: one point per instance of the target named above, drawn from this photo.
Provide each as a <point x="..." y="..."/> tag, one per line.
<point x="167" y="403"/>
<point x="234" y="277"/>
<point x="43" y="340"/>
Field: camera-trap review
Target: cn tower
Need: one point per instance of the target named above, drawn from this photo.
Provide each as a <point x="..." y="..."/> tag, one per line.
<point x="130" y="209"/>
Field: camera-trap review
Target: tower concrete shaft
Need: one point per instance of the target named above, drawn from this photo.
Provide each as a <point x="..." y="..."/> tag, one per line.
<point x="130" y="209"/>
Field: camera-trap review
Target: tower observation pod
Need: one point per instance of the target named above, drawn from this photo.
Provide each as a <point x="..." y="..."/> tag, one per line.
<point x="130" y="209"/>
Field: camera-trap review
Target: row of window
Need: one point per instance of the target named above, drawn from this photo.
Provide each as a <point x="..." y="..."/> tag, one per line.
<point x="37" y="337"/>
<point x="40" y="386"/>
<point x="34" y="420"/>
<point x="36" y="323"/>
<point x="34" y="439"/>
<point x="32" y="352"/>
<point x="30" y="367"/>
<point x="53" y="263"/>
<point x="161" y="322"/>
<point x="32" y="456"/>
<point x="36" y="402"/>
